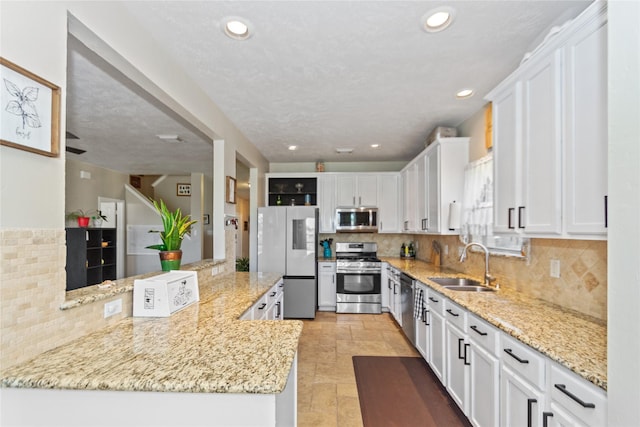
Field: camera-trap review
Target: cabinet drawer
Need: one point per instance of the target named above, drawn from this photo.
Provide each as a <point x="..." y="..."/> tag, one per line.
<point x="455" y="315"/>
<point x="259" y="308"/>
<point x="326" y="267"/>
<point x="483" y="334"/>
<point x="525" y="361"/>
<point x="580" y="397"/>
<point x="435" y="301"/>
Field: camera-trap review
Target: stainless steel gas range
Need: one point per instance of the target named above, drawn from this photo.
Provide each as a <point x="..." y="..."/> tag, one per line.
<point x="358" y="273"/>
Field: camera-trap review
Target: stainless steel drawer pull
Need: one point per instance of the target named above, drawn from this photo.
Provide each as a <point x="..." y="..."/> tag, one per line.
<point x="433" y="299"/>
<point x="475" y="328"/>
<point x="510" y="353"/>
<point x="262" y="306"/>
<point x="273" y="294"/>
<point x="563" y="388"/>
<point x="452" y="313"/>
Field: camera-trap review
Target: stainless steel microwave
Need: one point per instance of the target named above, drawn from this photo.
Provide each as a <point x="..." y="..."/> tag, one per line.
<point x="357" y="220"/>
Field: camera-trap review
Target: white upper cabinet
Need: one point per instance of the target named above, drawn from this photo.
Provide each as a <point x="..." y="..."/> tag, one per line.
<point x="409" y="191"/>
<point x="326" y="203"/>
<point x="389" y="203"/>
<point x="506" y="152"/>
<point x="585" y="128"/>
<point x="355" y="190"/>
<point x="550" y="136"/>
<point x="432" y="181"/>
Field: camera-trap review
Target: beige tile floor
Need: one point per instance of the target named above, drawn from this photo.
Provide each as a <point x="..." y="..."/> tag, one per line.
<point x="327" y="393"/>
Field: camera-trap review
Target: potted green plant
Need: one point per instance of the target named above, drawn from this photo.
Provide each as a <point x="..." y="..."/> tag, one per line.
<point x="175" y="225"/>
<point x="83" y="217"/>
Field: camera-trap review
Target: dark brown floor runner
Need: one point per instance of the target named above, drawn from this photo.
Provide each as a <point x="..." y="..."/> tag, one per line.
<point x="403" y="392"/>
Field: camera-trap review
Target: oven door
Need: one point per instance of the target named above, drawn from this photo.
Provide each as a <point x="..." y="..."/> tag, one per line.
<point x="358" y="283"/>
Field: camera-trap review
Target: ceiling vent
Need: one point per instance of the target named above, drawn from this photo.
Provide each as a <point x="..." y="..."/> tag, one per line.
<point x="344" y="150"/>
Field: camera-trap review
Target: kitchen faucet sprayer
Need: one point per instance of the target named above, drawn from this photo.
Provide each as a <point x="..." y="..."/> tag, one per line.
<point x="487" y="277"/>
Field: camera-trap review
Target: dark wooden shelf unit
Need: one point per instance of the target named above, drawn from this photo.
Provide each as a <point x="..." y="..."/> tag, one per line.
<point x="285" y="188"/>
<point x="91" y="256"/>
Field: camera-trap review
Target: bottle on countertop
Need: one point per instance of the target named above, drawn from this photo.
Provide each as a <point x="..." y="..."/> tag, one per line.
<point x="412" y="250"/>
<point x="278" y="201"/>
<point x="406" y="250"/>
<point x="402" y="250"/>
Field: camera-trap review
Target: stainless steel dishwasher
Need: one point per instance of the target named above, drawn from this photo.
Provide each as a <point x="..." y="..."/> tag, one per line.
<point x="407" y="303"/>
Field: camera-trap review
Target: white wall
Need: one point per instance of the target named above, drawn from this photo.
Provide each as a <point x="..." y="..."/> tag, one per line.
<point x="474" y="128"/>
<point x="624" y="220"/>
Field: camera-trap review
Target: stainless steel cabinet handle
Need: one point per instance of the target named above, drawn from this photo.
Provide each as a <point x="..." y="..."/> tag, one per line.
<point x="545" y="416"/>
<point x="273" y="294"/>
<point x="520" y="216"/>
<point x="466" y="346"/>
<point x="262" y="306"/>
<point x="509" y="212"/>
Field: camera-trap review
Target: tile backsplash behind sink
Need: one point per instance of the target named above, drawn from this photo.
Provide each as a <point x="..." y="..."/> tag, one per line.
<point x="582" y="285"/>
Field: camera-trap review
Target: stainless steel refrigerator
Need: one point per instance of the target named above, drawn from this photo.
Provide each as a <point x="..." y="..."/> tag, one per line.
<point x="288" y="244"/>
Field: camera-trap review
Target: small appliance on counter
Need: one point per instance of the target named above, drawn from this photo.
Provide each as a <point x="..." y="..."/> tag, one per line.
<point x="163" y="295"/>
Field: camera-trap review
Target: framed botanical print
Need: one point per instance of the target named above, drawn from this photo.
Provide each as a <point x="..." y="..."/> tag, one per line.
<point x="29" y="111"/>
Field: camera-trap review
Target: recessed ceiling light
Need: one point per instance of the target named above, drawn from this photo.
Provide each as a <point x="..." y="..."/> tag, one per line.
<point x="237" y="28"/>
<point x="293" y="147"/>
<point x="464" y="93"/>
<point x="438" y="19"/>
<point x="375" y="145"/>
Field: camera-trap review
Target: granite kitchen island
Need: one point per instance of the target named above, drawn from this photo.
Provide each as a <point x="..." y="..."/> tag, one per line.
<point x="201" y="366"/>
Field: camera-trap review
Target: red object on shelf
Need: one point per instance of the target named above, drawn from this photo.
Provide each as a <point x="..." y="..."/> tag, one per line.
<point x="83" y="221"/>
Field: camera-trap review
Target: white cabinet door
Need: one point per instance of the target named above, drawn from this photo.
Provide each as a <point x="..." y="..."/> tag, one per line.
<point x="354" y="190"/>
<point x="484" y="387"/>
<point x="433" y="188"/>
<point x="389" y="203"/>
<point x="457" y="365"/>
<point x="540" y="212"/>
<point x="506" y="140"/>
<point x="521" y="404"/>
<point x="422" y="193"/>
<point x="409" y="179"/>
<point x="326" y="286"/>
<point x="436" y="345"/>
<point x="367" y="185"/>
<point x="346" y="190"/>
<point x="585" y="130"/>
<point x="327" y="203"/>
<point x="421" y="322"/>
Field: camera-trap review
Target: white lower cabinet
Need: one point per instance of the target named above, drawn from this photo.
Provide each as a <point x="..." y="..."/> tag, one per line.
<point x="421" y="321"/>
<point x="574" y="401"/>
<point x="326" y="286"/>
<point x="457" y="359"/>
<point x="484" y="374"/>
<point x="270" y="306"/>
<point x="494" y="378"/>
<point x="436" y="348"/>
<point x="521" y="404"/>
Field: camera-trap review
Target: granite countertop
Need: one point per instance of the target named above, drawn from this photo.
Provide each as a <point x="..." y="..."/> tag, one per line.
<point x="203" y="348"/>
<point x="574" y="340"/>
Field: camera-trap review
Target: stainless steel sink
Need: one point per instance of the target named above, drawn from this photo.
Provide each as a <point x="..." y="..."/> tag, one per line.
<point x="455" y="281"/>
<point x="461" y="284"/>
<point x="479" y="288"/>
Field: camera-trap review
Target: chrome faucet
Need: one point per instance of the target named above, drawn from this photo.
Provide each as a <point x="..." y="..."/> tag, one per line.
<point x="487" y="277"/>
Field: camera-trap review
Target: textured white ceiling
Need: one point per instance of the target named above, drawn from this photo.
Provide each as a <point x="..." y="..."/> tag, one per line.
<point x="325" y="74"/>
